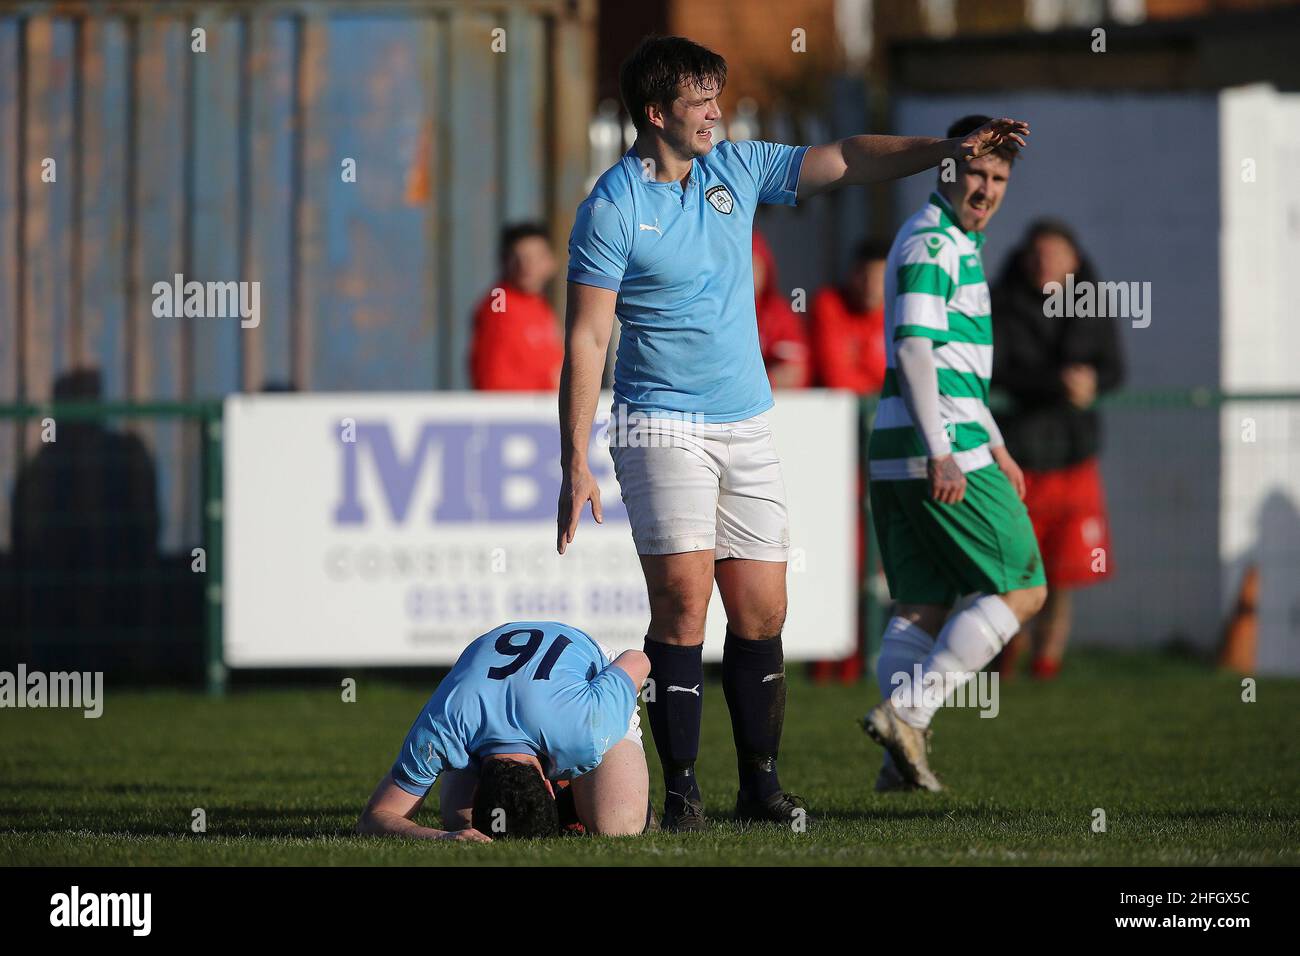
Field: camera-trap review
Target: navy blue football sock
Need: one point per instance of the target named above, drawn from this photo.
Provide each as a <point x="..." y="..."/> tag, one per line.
<point x="675" y="708"/>
<point x="753" y="680"/>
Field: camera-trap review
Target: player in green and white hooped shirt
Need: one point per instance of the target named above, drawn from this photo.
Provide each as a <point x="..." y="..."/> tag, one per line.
<point x="945" y="494"/>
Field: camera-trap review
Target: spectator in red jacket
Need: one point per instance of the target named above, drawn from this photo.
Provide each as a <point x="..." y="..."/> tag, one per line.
<point x="848" y="325"/>
<point x="517" y="345"/>
<point x="781" y="335"/>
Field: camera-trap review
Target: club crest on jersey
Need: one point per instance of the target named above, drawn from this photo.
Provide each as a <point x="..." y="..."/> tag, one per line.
<point x="720" y="199"/>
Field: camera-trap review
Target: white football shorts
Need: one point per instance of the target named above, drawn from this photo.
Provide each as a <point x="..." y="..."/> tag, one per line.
<point x="692" y="486"/>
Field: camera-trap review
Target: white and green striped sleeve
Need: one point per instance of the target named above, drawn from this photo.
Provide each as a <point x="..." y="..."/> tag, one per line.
<point x="929" y="266"/>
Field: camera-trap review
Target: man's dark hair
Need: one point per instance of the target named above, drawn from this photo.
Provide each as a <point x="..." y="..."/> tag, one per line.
<point x="969" y="124"/>
<point x="520" y="230"/>
<point x="659" y="66"/>
<point x="869" y="250"/>
<point x="512" y="801"/>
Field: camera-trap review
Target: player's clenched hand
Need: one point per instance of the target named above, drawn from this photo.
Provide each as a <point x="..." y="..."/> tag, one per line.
<point x="947" y="483"/>
<point x="576" y="489"/>
<point x="1008" y="467"/>
<point x="990" y="136"/>
<point x="469" y="835"/>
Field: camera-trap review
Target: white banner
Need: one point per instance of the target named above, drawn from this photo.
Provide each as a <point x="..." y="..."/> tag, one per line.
<point x="393" y="529"/>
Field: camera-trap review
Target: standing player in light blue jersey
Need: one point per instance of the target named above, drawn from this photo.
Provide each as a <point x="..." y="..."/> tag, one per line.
<point x="664" y="243"/>
<point x="527" y="703"/>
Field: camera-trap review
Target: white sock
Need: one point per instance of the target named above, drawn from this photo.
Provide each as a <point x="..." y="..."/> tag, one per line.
<point x="903" y="647"/>
<point x="969" y="640"/>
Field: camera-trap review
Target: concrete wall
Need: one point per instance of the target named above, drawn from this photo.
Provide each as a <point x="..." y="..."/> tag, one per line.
<point x="1260" y="250"/>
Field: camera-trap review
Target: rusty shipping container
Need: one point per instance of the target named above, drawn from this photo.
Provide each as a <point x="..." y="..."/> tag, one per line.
<point x="139" y="141"/>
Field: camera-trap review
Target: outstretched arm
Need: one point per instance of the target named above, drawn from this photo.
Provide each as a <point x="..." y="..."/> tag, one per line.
<point x="589" y="322"/>
<point x="859" y="160"/>
<point x="389" y="813"/>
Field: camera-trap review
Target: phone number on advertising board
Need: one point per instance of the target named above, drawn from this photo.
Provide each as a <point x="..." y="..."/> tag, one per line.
<point x="522" y="603"/>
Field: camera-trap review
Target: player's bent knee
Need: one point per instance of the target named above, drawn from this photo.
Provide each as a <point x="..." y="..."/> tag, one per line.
<point x="679" y="604"/>
<point x="758" y="624"/>
<point x="1026" y="602"/>
<point x="680" y="627"/>
<point x="927" y="617"/>
<point x="636" y="664"/>
<point x="773" y="622"/>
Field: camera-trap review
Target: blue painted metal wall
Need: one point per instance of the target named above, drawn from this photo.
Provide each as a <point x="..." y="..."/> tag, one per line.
<point x="226" y="165"/>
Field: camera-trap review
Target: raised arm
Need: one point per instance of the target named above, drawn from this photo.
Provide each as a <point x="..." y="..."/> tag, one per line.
<point x="859" y="160"/>
<point x="588" y="323"/>
<point x="389" y="813"/>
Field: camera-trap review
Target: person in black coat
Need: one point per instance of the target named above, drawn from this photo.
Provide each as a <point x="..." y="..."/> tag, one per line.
<point x="1052" y="367"/>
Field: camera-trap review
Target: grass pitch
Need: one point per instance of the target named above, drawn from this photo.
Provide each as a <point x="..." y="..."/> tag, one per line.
<point x="1185" y="771"/>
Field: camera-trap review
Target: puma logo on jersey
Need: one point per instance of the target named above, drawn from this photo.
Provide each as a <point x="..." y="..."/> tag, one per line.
<point x="686" y="690"/>
<point x="654" y="228"/>
<point x="776" y="676"/>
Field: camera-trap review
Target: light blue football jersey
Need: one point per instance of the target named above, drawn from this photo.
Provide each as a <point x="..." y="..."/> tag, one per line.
<point x="681" y="262"/>
<point x="538" y="687"/>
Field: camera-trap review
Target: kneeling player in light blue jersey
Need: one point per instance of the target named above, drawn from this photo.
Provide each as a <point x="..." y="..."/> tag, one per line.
<point x="528" y="705"/>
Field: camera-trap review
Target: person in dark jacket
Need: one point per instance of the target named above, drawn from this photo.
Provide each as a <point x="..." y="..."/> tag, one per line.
<point x="1053" y="368"/>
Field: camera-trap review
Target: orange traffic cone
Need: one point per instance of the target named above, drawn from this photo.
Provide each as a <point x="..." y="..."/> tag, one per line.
<point x="1239" y="637"/>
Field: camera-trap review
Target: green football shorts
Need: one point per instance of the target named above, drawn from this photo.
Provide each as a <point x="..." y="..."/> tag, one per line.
<point x="934" y="553"/>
